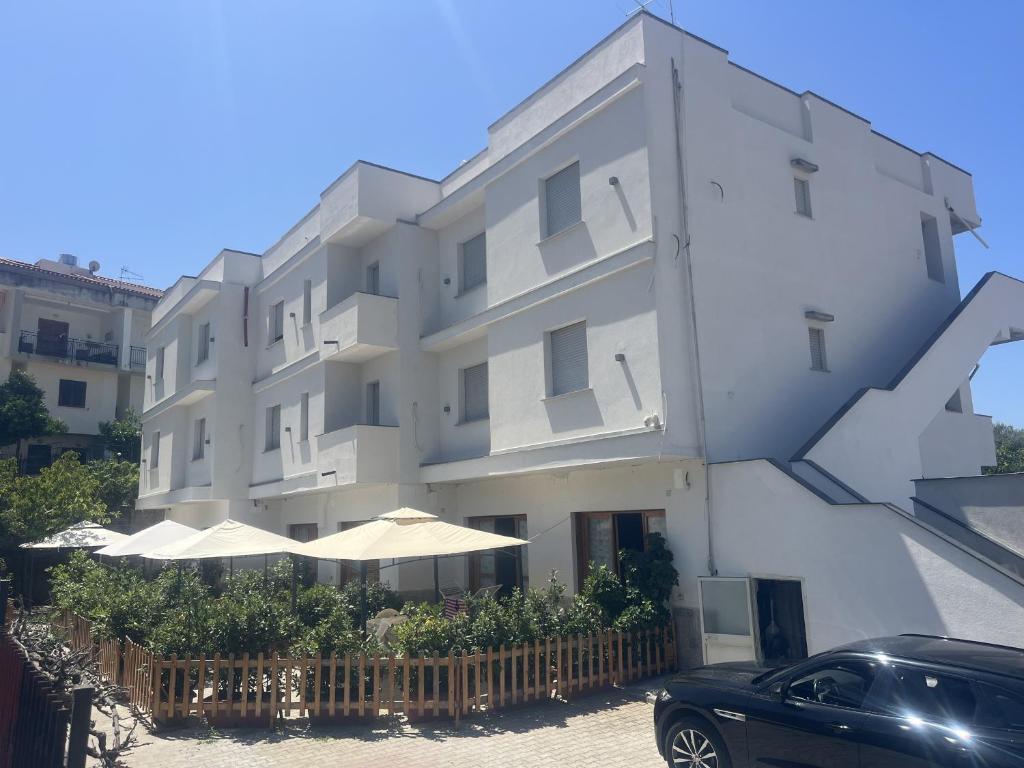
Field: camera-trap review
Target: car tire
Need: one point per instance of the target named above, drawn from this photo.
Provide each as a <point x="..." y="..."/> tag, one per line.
<point x="692" y="737"/>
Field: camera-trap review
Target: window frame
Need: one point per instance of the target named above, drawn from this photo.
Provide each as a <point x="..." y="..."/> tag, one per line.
<point x="549" y="351"/>
<point x="159" y="360"/>
<point x="817" y="332"/>
<point x="154" y="450"/>
<point x="373" y="417"/>
<point x="802" y="197"/>
<point x="464" y="288"/>
<point x="307" y="302"/>
<point x="304" y="417"/>
<point x="372" y="280"/>
<point x="879" y="675"/>
<point x="581" y="535"/>
<point x="474" y="558"/>
<point x="275" y="323"/>
<point x="203" y="338"/>
<point x="272" y="433"/>
<point x="464" y="416"/>
<point x="545" y="207"/>
<point x="63" y="397"/>
<point x="199" y="439"/>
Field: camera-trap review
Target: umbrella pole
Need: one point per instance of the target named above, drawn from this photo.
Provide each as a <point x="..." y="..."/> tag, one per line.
<point x="437" y="583"/>
<point x="362" y="598"/>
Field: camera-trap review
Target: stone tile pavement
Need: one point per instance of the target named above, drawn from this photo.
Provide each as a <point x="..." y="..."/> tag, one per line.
<point x="608" y="729"/>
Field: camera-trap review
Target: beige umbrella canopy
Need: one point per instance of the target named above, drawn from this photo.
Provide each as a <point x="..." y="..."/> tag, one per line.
<point x="159" y="535"/>
<point x="84" y="535"/>
<point x="404" y="533"/>
<point x="227" y="539"/>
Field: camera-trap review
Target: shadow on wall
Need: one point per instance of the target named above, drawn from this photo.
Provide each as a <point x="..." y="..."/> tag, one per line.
<point x="573" y="411"/>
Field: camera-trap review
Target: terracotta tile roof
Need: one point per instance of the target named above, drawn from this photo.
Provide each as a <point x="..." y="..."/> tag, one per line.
<point x="97" y="280"/>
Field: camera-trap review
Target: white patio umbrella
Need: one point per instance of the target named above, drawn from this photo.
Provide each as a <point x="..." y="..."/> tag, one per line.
<point x="162" y="534"/>
<point x="404" y="533"/>
<point x="84" y="535"/>
<point x="227" y="539"/>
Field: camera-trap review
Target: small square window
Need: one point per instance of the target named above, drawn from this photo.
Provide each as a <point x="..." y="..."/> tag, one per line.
<point x="802" y="188"/>
<point x="562" y="205"/>
<point x="473" y="263"/>
<point x="71" y="393"/>
<point x="819" y="360"/>
<point x="199" y="440"/>
<point x="272" y="439"/>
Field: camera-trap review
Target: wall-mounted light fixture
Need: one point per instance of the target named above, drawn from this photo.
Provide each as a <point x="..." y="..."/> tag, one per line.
<point x="447" y="408"/>
<point x="821" y="317"/>
<point x="328" y="473"/>
<point x="613" y="180"/>
<point x="447" y="281"/>
<point x="620" y="357"/>
<point x="804" y="165"/>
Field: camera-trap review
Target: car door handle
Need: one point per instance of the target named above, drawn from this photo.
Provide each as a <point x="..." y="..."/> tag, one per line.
<point x="841" y="727"/>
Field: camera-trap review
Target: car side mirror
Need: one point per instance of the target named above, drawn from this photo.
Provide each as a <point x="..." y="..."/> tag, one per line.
<point x="778" y="692"/>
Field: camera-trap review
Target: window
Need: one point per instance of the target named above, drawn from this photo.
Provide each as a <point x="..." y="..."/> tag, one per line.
<point x="998" y="708"/>
<point x="562" y="206"/>
<point x="843" y="684"/>
<point x="932" y="248"/>
<point x="505" y="567"/>
<point x="71" y="393"/>
<point x="307" y="302"/>
<point x="272" y="439"/>
<point x="204" y="344"/>
<point x="802" y="188"/>
<point x="600" y="536"/>
<point x="307" y="565"/>
<point x="158" y="366"/>
<point x="373" y="278"/>
<point x="816" y="337"/>
<point x="373" y="403"/>
<point x="304" y="416"/>
<point x="348" y="570"/>
<point x="276" y="322"/>
<point x="568" y="349"/>
<point x="154" y="451"/>
<point x="473" y="263"/>
<point x="474" y="393"/>
<point x="929" y="695"/>
<point x="199" y="440"/>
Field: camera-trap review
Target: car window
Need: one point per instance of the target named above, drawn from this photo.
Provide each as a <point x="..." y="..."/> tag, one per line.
<point x="927" y="694"/>
<point x="998" y="708"/>
<point x="843" y="684"/>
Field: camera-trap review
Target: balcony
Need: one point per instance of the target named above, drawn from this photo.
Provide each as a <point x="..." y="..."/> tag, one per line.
<point x="360" y="328"/>
<point x="360" y="453"/>
<point x="66" y="348"/>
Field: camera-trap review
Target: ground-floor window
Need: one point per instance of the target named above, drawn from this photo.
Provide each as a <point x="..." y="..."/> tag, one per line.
<point x="307" y="565"/>
<point x="348" y="570"/>
<point x="600" y="536"/>
<point x="505" y="567"/>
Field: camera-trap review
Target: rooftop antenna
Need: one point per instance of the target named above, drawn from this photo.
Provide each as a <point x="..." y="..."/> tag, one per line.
<point x="639" y="6"/>
<point x="127" y="276"/>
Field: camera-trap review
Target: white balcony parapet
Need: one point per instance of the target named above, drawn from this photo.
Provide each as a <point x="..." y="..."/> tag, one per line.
<point x="361" y="327"/>
<point x="358" y="454"/>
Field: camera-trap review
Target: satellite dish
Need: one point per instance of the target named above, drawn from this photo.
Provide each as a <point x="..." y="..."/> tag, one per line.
<point x="94" y="266"/>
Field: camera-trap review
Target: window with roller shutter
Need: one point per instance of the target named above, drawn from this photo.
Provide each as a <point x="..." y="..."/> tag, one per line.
<point x="819" y="361"/>
<point x="474" y="393"/>
<point x="562" y="205"/>
<point x="568" y="349"/>
<point x="473" y="266"/>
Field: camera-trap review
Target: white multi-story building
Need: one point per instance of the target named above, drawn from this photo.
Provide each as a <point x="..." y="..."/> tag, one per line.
<point x="669" y="295"/>
<point x="82" y="337"/>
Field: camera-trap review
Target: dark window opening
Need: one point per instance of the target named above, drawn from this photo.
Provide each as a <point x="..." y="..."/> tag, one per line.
<point x="600" y="536"/>
<point x="780" y="620"/>
<point x="71" y="393"/>
<point x="503" y="567"/>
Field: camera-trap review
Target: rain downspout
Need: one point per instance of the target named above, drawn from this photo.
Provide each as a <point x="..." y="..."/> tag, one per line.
<point x="684" y="248"/>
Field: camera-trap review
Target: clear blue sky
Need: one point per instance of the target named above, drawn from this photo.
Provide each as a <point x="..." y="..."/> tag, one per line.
<point x="152" y="134"/>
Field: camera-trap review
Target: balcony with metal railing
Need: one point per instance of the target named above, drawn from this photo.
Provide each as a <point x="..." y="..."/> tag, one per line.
<point x="78" y="350"/>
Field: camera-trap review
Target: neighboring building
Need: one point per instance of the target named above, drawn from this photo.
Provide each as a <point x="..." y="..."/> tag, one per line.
<point x="659" y="256"/>
<point x="82" y="338"/>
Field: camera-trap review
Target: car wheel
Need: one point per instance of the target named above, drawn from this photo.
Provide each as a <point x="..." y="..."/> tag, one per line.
<point x="691" y="742"/>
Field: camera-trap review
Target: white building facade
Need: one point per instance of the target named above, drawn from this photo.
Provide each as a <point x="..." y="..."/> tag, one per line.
<point x="82" y="337"/>
<point x="648" y="305"/>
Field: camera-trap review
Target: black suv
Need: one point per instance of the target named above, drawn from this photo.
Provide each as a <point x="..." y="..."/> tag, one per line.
<point x="912" y="700"/>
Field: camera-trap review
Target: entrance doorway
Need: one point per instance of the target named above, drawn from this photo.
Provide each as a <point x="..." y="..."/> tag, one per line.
<point x="752" y="619"/>
<point x="53" y="338"/>
<point x="780" y="621"/>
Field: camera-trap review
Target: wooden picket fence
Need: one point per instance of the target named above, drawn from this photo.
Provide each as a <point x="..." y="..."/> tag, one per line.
<point x="258" y="689"/>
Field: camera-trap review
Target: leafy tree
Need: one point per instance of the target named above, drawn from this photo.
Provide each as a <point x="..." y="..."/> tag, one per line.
<point x="23" y="412"/>
<point x="118" y="484"/>
<point x="35" y="506"/>
<point x="1009" y="450"/>
<point x="123" y="437"/>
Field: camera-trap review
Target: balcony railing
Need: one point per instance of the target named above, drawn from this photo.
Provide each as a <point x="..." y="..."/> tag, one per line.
<point x="137" y="358"/>
<point x="65" y="348"/>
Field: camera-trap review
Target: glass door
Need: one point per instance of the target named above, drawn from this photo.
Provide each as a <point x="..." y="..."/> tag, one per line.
<point x="726" y="619"/>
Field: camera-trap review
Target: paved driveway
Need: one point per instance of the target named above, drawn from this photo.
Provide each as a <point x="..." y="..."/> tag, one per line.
<point x="607" y="729"/>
